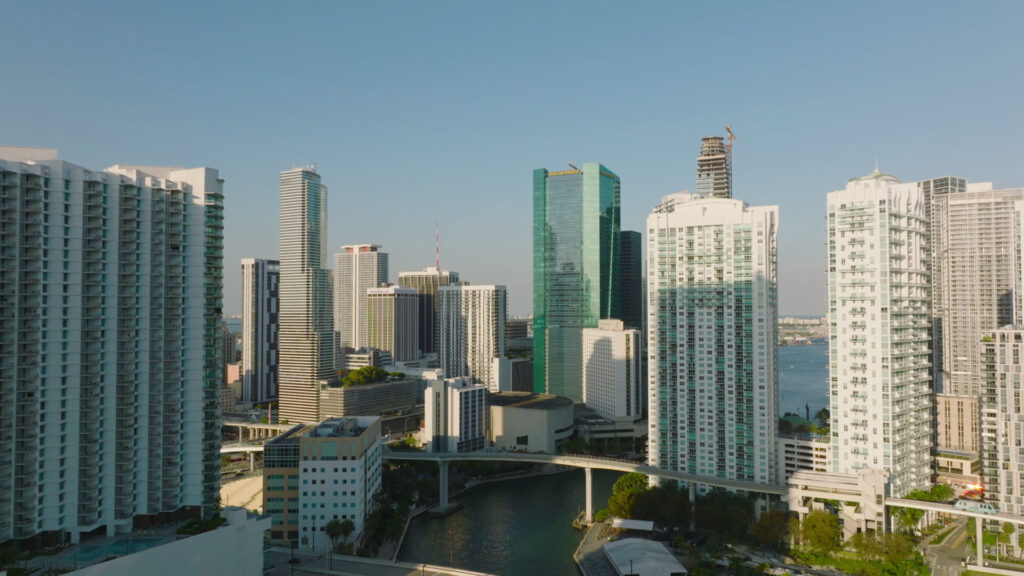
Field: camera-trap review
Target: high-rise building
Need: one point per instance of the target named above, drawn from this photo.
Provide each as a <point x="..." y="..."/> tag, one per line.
<point x="575" y="270"/>
<point x="426" y="282"/>
<point x="392" y="321"/>
<point x="455" y="415"/>
<point x="974" y="272"/>
<point x="879" y="326"/>
<point x="260" y="307"/>
<point x="712" y="327"/>
<point x="110" y="345"/>
<point x="714" y="169"/>
<point x="632" y="274"/>
<point x="1003" y="375"/>
<point x="357" y="268"/>
<point x="472" y="331"/>
<point x="306" y="328"/>
<point x="611" y="371"/>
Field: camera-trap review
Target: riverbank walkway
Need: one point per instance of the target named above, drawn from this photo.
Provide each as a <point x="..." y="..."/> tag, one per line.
<point x="590" y="556"/>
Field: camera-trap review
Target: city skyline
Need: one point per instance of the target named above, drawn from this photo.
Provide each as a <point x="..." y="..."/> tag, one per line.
<point x="443" y="125"/>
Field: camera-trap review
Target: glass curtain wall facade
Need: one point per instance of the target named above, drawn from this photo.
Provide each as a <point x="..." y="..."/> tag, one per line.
<point x="576" y="248"/>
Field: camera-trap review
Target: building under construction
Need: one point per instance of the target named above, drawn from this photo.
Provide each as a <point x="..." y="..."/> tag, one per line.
<point x="714" y="168"/>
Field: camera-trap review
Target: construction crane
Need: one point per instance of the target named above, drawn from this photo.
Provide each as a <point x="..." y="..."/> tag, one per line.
<point x="728" y="129"/>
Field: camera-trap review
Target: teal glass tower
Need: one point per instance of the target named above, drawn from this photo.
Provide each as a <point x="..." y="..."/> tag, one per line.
<point x="575" y="270"/>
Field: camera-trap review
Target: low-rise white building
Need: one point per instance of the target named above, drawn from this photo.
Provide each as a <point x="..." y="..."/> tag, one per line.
<point x="612" y="386"/>
<point x="857" y="499"/>
<point x="528" y="421"/>
<point x="339" y="474"/>
<point x="455" y="415"/>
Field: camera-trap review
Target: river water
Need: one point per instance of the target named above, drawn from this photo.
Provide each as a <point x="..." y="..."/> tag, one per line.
<point x="524" y="526"/>
<point x="510" y="528"/>
<point x="803" y="378"/>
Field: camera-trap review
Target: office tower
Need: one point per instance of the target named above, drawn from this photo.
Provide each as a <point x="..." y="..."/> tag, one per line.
<point x="879" y="320"/>
<point x="471" y="322"/>
<point x="260" y="324"/>
<point x="346" y="450"/>
<point x="455" y="414"/>
<point x="632" y="264"/>
<point x="712" y="332"/>
<point x="426" y="282"/>
<point x="575" y="270"/>
<point x="306" y="331"/>
<point x="611" y="371"/>
<point x="1003" y="378"/>
<point x="974" y="279"/>
<point x="357" y="268"/>
<point x="110" y="345"/>
<point x="714" y="169"/>
<point x="392" y="321"/>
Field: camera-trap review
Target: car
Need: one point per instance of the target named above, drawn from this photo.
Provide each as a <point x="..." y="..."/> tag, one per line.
<point x="974" y="506"/>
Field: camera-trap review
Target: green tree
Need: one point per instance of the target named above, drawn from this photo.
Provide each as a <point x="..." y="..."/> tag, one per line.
<point x="770" y="529"/>
<point x="347" y="527"/>
<point x="333" y="529"/>
<point x="820" y="532"/>
<point x="794" y="531"/>
<point x="666" y="505"/>
<point x="724" y="513"/>
<point x="897" y="548"/>
<point x="631" y="482"/>
<point x="1004" y="537"/>
<point x="620" y="505"/>
<point x="867" y="546"/>
<point x="907" y="518"/>
<point x="823" y="416"/>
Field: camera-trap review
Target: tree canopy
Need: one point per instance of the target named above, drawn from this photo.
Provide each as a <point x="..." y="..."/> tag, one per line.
<point x="365" y="375"/>
<point x="771" y="528"/>
<point x="820" y="532"/>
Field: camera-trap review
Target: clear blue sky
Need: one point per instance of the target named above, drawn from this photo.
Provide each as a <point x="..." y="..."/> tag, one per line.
<point x="417" y="112"/>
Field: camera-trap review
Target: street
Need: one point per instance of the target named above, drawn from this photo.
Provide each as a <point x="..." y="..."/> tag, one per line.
<point x="945" y="558"/>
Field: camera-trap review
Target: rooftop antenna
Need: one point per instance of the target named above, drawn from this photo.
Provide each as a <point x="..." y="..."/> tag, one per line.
<point x="437" y="246"/>
<point x="876" y="163"/>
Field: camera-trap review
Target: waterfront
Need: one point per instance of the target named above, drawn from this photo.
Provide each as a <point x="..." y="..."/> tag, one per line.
<point x="514" y="527"/>
<point x="523" y="526"/>
<point x="803" y="378"/>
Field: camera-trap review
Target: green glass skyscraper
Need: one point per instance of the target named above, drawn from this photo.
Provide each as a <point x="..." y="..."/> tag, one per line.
<point x="575" y="270"/>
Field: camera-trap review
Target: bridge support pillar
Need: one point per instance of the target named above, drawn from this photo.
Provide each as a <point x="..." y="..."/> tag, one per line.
<point x="693" y="504"/>
<point x="589" y="515"/>
<point x="252" y="461"/>
<point x="442" y="503"/>
<point x="978" y="523"/>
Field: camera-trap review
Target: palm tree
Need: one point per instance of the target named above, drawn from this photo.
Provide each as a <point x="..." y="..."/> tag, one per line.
<point x="347" y="526"/>
<point x="333" y="529"/>
<point x="823" y="416"/>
